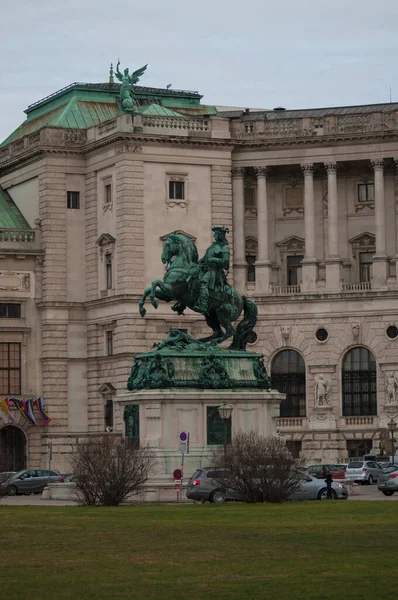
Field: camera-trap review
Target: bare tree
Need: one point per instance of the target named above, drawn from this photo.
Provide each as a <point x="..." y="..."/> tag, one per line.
<point x="260" y="469"/>
<point x="107" y="469"/>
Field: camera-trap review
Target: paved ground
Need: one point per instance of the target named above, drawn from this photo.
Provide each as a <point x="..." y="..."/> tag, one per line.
<point x="366" y="492"/>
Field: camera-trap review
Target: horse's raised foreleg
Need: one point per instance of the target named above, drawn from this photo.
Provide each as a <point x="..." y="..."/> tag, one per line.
<point x="156" y="283"/>
<point x="141" y="303"/>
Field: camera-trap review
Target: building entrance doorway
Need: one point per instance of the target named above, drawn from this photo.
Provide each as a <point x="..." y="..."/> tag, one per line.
<point x="13" y="444"/>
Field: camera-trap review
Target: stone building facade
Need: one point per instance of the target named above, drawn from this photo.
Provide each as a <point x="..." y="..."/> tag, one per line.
<point x="310" y="198"/>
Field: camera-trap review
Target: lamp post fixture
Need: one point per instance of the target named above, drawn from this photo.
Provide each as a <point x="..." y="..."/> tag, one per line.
<point x="392" y="427"/>
<point x="225" y="412"/>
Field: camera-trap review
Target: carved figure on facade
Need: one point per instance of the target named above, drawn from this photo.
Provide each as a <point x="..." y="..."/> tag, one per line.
<point x="321" y="389"/>
<point x="356" y="331"/>
<point x="391" y="388"/>
<point x="202" y="286"/>
<point x="132" y="423"/>
<point x="213" y="374"/>
<point x="285" y="331"/>
<point x="127" y="98"/>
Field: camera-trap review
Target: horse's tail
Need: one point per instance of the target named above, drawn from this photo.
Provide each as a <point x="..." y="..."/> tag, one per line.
<point x="244" y="332"/>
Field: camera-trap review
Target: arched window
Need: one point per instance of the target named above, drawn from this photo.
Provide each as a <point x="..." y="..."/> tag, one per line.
<point x="13" y="448"/>
<point x="288" y="377"/>
<point x="359" y="383"/>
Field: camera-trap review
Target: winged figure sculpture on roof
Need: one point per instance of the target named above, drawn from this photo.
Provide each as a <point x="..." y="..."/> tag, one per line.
<point x="127" y="99"/>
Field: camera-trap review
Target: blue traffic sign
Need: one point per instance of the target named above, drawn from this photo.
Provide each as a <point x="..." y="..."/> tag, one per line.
<point x="183" y="436"/>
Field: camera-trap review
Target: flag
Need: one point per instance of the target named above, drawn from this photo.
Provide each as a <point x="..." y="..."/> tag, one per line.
<point x="6" y="409"/>
<point x="29" y="411"/>
<point x="38" y="403"/>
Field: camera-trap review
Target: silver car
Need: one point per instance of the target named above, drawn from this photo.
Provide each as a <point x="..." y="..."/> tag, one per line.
<point x="363" y="471"/>
<point x="30" y="481"/>
<point x="388" y="481"/>
<point x="203" y="486"/>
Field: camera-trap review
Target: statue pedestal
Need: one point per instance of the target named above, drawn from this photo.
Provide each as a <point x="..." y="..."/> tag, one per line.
<point x="323" y="419"/>
<point x="165" y="413"/>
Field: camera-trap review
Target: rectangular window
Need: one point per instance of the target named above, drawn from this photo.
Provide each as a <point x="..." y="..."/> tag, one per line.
<point x="358" y="448"/>
<point x="108" y="271"/>
<point x="73" y="199"/>
<point x="109" y="413"/>
<point x="294" y="447"/>
<point x="10" y="311"/>
<point x="176" y="190"/>
<point x="365" y="266"/>
<point x="294" y="270"/>
<point x="218" y="430"/>
<point x="108" y="193"/>
<point x="109" y="343"/>
<point x="294" y="197"/>
<point x="10" y="368"/>
<point x="251" y="268"/>
<point x="365" y="192"/>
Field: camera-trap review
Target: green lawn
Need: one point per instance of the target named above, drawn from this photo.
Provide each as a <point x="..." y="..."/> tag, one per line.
<point x="293" y="551"/>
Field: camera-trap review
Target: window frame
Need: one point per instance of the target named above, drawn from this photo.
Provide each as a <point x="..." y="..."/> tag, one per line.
<point x="73" y="199"/>
<point x="9" y="369"/>
<point x="365" y="267"/>
<point x="292" y="374"/>
<point x="7" y="310"/>
<point x="109" y="342"/>
<point x="296" y="269"/>
<point x="366" y="186"/>
<point x="358" y="383"/>
<point x="109" y="271"/>
<point x="109" y="412"/>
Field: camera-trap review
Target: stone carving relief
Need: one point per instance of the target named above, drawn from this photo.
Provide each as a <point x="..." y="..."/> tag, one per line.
<point x="285" y="332"/>
<point x="127" y="148"/>
<point x="292" y="245"/>
<point x="365" y="242"/>
<point x="13" y="281"/>
<point x="356" y="331"/>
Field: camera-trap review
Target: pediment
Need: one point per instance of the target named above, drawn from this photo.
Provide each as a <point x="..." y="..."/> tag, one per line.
<point x="364" y="242"/>
<point x="292" y="243"/>
<point x="164" y="237"/>
<point x="107" y="388"/>
<point x="251" y="245"/>
<point x="366" y="239"/>
<point x="105" y="238"/>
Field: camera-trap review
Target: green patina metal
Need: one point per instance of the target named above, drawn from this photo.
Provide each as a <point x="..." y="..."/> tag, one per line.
<point x="10" y="215"/>
<point x="180" y="361"/>
<point x="202" y="286"/>
<point x="131" y="417"/>
<point x="82" y="105"/>
<point x="127" y="95"/>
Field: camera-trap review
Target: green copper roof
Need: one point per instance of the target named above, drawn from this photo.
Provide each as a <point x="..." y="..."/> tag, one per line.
<point x="159" y="111"/>
<point x="82" y="105"/>
<point x="10" y="215"/>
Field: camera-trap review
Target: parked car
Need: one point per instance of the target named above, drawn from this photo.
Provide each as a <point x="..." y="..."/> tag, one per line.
<point x="30" y="481"/>
<point x="363" y="471"/>
<point x="6" y="475"/>
<point x="204" y="485"/>
<point x="319" y="471"/>
<point x="388" y="480"/>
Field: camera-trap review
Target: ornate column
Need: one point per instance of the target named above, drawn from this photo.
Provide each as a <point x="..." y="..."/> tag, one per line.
<point x="262" y="261"/>
<point x="380" y="263"/>
<point x="333" y="264"/>
<point x="309" y="262"/>
<point x="239" y="233"/>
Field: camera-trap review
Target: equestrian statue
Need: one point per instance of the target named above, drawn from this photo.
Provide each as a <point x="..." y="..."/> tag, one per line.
<point x="202" y="286"/>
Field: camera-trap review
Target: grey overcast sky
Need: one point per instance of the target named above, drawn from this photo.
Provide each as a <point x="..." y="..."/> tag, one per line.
<point x="257" y="53"/>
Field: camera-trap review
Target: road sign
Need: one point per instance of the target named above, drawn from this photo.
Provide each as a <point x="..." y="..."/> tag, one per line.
<point x="177" y="482"/>
<point x="184" y="442"/>
<point x="50" y="450"/>
<point x="177" y="474"/>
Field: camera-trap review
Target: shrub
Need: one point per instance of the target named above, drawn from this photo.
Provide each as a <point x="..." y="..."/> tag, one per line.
<point x="260" y="469"/>
<point x="107" y="469"/>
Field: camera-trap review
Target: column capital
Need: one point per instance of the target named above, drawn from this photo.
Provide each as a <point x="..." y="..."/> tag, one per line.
<point x="260" y="171"/>
<point x="238" y="172"/>
<point x="377" y="164"/>
<point x="331" y="167"/>
<point x="307" y="168"/>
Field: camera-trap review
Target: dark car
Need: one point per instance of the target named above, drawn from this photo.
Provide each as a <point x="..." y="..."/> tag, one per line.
<point x="388" y="480"/>
<point x="30" y="481"/>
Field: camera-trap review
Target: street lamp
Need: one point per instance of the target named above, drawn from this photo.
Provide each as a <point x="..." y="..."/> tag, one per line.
<point x="225" y="412"/>
<point x="392" y="427"/>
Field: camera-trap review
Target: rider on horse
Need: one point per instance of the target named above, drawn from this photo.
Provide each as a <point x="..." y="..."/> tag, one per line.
<point x="212" y="270"/>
